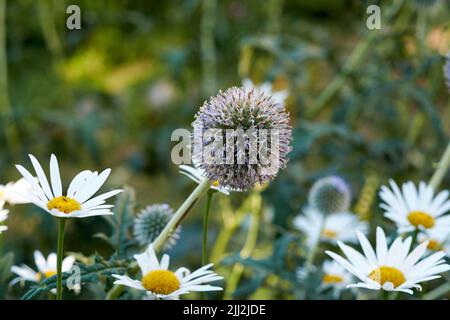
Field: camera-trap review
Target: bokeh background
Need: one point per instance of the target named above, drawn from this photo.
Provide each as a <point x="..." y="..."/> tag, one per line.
<point x="365" y="104"/>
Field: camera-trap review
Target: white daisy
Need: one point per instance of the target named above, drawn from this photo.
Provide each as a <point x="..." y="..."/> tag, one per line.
<point x="412" y="208"/>
<point x="267" y="88"/>
<point x="335" y="275"/>
<point x="3" y="216"/>
<point x="76" y="203"/>
<point x="198" y="175"/>
<point x="330" y="228"/>
<point x="159" y="281"/>
<point x="12" y="191"/>
<point x="390" y="268"/>
<point x="438" y="239"/>
<point x="46" y="268"/>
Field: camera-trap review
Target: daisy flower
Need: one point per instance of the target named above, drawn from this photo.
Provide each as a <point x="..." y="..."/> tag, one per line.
<point x="46" y="268"/>
<point x="76" y="203"/>
<point x="197" y="175"/>
<point x="390" y="268"/>
<point x="3" y="216"/>
<point x="335" y="276"/>
<point x="437" y="240"/>
<point x="267" y="88"/>
<point x="11" y="192"/>
<point x="329" y="228"/>
<point x="162" y="283"/>
<point x="414" y="208"/>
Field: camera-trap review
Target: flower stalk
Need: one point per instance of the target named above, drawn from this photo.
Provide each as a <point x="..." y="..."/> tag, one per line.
<point x="205" y="228"/>
<point x="179" y="215"/>
<point x="60" y="253"/>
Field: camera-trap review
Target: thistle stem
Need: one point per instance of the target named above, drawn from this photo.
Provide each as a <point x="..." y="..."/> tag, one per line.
<point x="205" y="228"/>
<point x="441" y="169"/>
<point x="187" y="205"/>
<point x="60" y="252"/>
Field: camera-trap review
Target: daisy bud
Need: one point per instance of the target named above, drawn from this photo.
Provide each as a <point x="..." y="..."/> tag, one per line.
<point x="149" y="223"/>
<point x="330" y="194"/>
<point x="241" y="137"/>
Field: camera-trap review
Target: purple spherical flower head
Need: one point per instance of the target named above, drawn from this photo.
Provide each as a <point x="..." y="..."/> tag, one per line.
<point x="241" y="137"/>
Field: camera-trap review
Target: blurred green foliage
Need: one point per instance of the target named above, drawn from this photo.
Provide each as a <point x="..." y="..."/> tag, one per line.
<point x="110" y="94"/>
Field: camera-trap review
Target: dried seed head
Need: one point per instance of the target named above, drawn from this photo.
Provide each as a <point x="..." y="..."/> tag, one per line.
<point x="330" y="195"/>
<point x="241" y="137"/>
<point x="149" y="223"/>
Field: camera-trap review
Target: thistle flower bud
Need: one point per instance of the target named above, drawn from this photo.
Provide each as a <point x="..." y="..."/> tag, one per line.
<point x="149" y="223"/>
<point x="330" y="194"/>
<point x="241" y="137"/>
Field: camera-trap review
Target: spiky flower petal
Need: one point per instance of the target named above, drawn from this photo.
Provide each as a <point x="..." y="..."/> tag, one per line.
<point x="149" y="223"/>
<point x="330" y="194"/>
<point x="241" y="137"/>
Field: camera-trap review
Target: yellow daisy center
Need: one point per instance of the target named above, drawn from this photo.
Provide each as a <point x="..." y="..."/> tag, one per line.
<point x="385" y="274"/>
<point x="64" y="204"/>
<point x="420" y="218"/>
<point x="215" y="183"/>
<point x="332" y="278"/>
<point x="434" y="245"/>
<point x="328" y="233"/>
<point x="161" y="282"/>
<point x="49" y="273"/>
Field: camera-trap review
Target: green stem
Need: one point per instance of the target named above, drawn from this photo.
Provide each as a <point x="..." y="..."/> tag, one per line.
<point x="205" y="232"/>
<point x="314" y="247"/>
<point x="187" y="205"/>
<point x="60" y="253"/>
<point x="441" y="169"/>
<point x="205" y="228"/>
<point x="182" y="211"/>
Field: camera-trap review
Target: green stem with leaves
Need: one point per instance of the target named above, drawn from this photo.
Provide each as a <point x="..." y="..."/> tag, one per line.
<point x="60" y="253"/>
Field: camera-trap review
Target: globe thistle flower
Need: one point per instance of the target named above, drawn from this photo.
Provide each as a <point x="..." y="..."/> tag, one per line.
<point x="3" y="216"/>
<point x="149" y="223"/>
<point x="160" y="282"/>
<point x="330" y="194"/>
<point x="390" y="268"/>
<point x="241" y="137"/>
